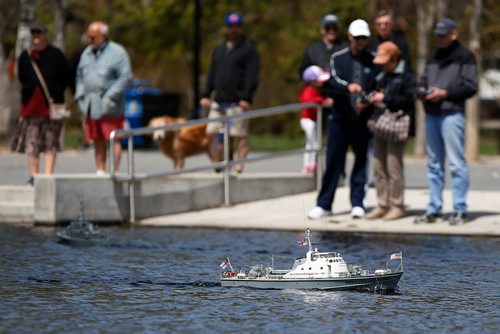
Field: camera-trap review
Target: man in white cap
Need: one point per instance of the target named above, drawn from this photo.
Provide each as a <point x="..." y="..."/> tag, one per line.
<point x="353" y="75"/>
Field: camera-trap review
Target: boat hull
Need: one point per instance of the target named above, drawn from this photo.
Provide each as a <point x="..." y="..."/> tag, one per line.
<point x="387" y="282"/>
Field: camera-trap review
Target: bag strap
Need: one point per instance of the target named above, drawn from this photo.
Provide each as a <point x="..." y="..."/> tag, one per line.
<point x="41" y="79"/>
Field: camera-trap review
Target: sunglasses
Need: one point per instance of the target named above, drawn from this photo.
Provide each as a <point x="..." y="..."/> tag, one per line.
<point x="36" y="31"/>
<point x="334" y="28"/>
<point x="360" y="38"/>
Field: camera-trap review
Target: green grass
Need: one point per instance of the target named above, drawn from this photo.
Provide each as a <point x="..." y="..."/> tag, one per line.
<point x="274" y="143"/>
<point x="264" y="142"/>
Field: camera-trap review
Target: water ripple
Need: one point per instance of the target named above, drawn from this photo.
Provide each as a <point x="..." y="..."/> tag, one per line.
<point x="166" y="280"/>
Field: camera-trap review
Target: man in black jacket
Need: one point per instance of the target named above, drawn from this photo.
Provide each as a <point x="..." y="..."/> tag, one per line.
<point x="450" y="78"/>
<point x="319" y="53"/>
<point x="353" y="74"/>
<point x="384" y="26"/>
<point x="234" y="76"/>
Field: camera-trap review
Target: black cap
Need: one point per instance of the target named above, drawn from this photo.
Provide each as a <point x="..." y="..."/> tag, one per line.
<point x="38" y="26"/>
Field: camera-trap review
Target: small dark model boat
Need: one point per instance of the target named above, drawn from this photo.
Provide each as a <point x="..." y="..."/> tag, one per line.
<point x="81" y="232"/>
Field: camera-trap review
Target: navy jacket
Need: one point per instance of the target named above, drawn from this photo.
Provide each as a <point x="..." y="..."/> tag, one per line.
<point x="345" y="68"/>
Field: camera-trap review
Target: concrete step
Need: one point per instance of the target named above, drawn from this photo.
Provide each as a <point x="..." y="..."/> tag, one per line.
<point x="17" y="212"/>
<point x="17" y="194"/>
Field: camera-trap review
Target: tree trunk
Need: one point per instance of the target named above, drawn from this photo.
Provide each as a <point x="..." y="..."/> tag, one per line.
<point x="425" y="19"/>
<point x="61" y="7"/>
<point x="9" y="89"/>
<point x="473" y="105"/>
<point x="5" y="110"/>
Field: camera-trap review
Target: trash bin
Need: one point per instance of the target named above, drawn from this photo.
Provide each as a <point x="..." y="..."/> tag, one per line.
<point x="134" y="112"/>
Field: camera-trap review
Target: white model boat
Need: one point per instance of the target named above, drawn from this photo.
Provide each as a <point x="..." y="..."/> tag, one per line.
<point x="316" y="270"/>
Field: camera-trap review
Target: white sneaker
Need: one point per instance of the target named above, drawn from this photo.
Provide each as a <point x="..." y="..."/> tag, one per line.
<point x="357" y="212"/>
<point x="101" y="172"/>
<point x="318" y="212"/>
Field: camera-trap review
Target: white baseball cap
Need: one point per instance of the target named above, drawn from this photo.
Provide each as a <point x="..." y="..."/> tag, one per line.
<point x="359" y="28"/>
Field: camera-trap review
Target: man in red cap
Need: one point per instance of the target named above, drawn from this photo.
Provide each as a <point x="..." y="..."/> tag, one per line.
<point x="233" y="76"/>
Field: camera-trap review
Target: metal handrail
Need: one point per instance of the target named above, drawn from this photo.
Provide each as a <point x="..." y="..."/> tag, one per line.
<point x="226" y="164"/>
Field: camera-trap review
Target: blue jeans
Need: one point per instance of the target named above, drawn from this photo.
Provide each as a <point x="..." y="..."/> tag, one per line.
<point x="445" y="138"/>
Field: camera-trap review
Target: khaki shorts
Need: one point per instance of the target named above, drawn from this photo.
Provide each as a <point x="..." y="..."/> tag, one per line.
<point x="237" y="127"/>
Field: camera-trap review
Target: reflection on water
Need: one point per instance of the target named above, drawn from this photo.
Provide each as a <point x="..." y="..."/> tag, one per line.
<point x="166" y="280"/>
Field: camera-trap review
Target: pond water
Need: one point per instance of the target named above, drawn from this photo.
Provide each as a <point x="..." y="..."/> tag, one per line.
<point x="147" y="280"/>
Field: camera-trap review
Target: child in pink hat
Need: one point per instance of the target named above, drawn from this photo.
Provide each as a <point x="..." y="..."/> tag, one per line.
<point x="314" y="77"/>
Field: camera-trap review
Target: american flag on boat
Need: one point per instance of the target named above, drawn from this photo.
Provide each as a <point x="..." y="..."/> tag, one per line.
<point x="396" y="256"/>
<point x="224" y="263"/>
<point x="302" y="242"/>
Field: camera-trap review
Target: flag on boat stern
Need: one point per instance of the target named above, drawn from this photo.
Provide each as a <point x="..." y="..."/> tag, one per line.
<point x="396" y="256"/>
<point x="302" y="242"/>
<point x="224" y="263"/>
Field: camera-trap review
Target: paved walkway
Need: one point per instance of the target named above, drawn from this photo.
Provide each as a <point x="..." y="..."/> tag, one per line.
<point x="288" y="213"/>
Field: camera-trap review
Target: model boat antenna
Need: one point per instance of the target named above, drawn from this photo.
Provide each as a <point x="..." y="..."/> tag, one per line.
<point x="308" y="239"/>
<point x="81" y="211"/>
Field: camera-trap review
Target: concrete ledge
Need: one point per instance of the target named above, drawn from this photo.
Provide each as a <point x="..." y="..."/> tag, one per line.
<point x="58" y="197"/>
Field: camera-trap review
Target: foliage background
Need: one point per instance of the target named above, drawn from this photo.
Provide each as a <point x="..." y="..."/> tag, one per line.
<point x="159" y="37"/>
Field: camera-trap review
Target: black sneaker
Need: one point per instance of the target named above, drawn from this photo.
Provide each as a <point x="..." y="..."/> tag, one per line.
<point x="427" y="218"/>
<point x="457" y="218"/>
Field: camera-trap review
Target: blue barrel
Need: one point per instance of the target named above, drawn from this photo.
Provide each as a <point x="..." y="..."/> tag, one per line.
<point x="134" y="111"/>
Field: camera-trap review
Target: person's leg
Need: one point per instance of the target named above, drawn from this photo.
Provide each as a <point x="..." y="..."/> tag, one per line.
<point x="380" y="172"/>
<point x="214" y="150"/>
<point x="33" y="164"/>
<point x="100" y="154"/>
<point x="239" y="129"/>
<point x="435" y="162"/>
<point x="309" y="128"/>
<point x="335" y="161"/>
<point x="454" y="136"/>
<point x="52" y="145"/>
<point x="395" y="172"/>
<point x="118" y="155"/>
<point x="50" y="162"/>
<point x="358" y="138"/>
<point x="242" y="152"/>
<point x="213" y="128"/>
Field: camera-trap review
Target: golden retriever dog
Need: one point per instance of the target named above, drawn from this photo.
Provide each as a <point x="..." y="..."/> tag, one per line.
<point x="180" y="143"/>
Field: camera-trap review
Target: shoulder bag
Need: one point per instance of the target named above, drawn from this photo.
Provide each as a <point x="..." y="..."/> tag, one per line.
<point x="390" y="126"/>
<point x="57" y="111"/>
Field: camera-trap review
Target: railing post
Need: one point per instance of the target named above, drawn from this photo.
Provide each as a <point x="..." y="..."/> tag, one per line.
<point x="227" y="166"/>
<point x="112" y="153"/>
<point x="131" y="182"/>
<point x="319" y="158"/>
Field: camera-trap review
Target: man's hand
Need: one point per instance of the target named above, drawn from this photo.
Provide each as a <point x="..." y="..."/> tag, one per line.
<point x="354" y="88"/>
<point x="245" y="105"/>
<point x="205" y="103"/>
<point x="437" y="95"/>
<point x="328" y="102"/>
